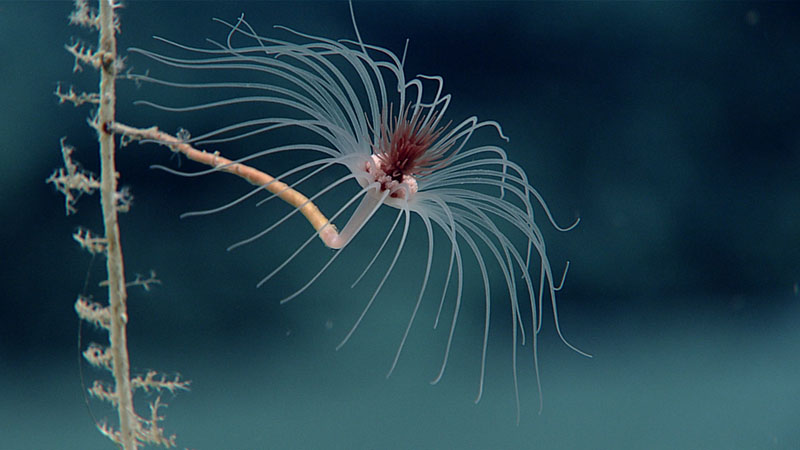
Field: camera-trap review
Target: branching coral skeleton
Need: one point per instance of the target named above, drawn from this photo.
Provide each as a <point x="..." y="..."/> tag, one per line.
<point x="352" y="105"/>
<point x="133" y="430"/>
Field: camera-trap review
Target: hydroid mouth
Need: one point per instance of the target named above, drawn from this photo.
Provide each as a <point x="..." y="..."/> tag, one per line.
<point x="398" y="184"/>
<point x="409" y="146"/>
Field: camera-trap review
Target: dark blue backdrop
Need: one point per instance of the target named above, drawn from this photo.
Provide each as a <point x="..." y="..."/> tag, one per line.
<point x="670" y="129"/>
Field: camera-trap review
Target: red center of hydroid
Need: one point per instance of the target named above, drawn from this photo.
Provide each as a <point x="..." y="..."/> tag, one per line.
<point x="408" y="147"/>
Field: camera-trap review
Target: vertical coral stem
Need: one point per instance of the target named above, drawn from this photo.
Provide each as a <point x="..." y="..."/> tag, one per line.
<point x="107" y="53"/>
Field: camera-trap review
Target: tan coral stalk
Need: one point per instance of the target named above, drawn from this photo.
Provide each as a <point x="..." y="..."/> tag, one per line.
<point x="107" y="54"/>
<point x="327" y="231"/>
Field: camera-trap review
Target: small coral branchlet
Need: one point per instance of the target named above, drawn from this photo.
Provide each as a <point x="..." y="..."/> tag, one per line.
<point x="90" y="242"/>
<point x="159" y="382"/>
<point x="83" y="55"/>
<point x="124" y="199"/>
<point x="85" y="16"/>
<point x="98" y="356"/>
<point x="150" y="430"/>
<point x="94" y="313"/>
<point x="109" y="432"/>
<point x="104" y="392"/>
<point x="145" y="283"/>
<point x="75" y="98"/>
<point x="140" y="280"/>
<point x="98" y="59"/>
<point x="71" y="180"/>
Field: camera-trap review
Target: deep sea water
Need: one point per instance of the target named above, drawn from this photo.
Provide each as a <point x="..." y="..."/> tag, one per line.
<point x="670" y="129"/>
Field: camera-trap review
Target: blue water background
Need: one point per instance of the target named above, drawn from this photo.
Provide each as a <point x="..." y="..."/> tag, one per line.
<point x="671" y="129"/>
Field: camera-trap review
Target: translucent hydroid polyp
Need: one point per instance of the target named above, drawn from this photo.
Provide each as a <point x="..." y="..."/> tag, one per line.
<point x="352" y="105"/>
